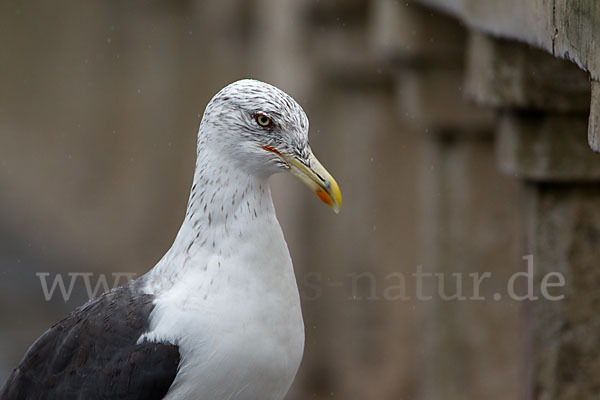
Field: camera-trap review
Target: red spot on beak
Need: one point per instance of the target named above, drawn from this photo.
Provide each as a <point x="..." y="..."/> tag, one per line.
<point x="324" y="197"/>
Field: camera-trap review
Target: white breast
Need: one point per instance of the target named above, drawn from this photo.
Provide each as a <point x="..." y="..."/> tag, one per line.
<point x="235" y="314"/>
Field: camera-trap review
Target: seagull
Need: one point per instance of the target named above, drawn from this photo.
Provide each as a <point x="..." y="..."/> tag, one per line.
<point x="218" y="317"/>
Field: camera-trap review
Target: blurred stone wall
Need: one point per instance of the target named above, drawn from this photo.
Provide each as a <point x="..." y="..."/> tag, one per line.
<point x="543" y="107"/>
<point x="456" y="152"/>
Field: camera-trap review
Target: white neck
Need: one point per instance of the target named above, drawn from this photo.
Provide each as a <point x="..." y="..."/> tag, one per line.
<point x="227" y="206"/>
<point x="225" y="292"/>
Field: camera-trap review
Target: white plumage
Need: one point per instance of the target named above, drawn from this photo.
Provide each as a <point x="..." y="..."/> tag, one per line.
<point x="226" y="292"/>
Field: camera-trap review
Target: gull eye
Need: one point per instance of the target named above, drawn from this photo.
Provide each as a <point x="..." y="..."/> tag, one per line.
<point x="263" y="120"/>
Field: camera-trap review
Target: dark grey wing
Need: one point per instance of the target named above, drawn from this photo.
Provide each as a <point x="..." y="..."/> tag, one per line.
<point x="92" y="354"/>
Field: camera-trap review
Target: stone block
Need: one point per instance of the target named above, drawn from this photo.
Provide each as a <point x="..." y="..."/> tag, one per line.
<point x="594" y="122"/>
<point x="341" y="58"/>
<point x="406" y="32"/>
<point x="546" y="147"/>
<point x="471" y="349"/>
<point x="564" y="28"/>
<point x="576" y="32"/>
<point x="432" y="98"/>
<point x="564" y="237"/>
<point x="505" y="73"/>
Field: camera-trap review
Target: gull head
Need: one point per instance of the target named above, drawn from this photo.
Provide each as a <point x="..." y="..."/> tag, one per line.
<point x="260" y="129"/>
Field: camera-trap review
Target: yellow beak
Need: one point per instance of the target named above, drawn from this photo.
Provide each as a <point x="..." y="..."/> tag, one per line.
<point x="316" y="177"/>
